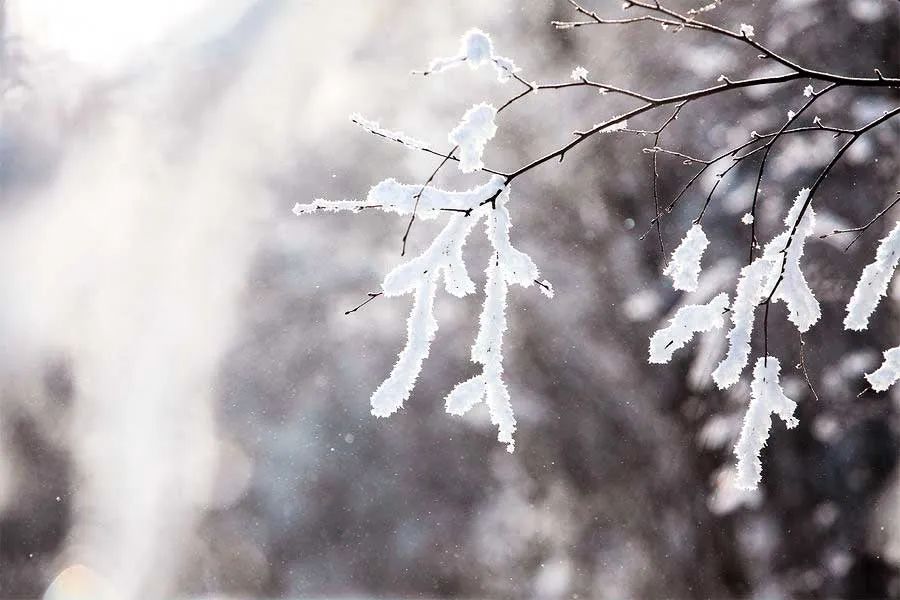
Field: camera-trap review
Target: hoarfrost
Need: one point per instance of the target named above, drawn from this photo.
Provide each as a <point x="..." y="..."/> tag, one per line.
<point x="684" y="266"/>
<point x="766" y="397"/>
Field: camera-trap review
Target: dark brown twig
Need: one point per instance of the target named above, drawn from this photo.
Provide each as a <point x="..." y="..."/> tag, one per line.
<point x="371" y="296"/>
<point x="862" y="228"/>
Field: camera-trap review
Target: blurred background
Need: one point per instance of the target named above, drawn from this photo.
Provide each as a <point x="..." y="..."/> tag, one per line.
<point x="184" y="405"/>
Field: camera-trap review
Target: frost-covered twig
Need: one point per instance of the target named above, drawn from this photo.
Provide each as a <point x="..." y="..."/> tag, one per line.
<point x="873" y="284"/>
<point x="766" y="398"/>
<point x="395" y="136"/>
<point x="684" y="266"/>
<point x="691" y="319"/>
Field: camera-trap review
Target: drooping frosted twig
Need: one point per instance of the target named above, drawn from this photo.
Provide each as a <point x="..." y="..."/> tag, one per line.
<point x="766" y="397"/>
<point x="873" y="283"/>
<point x="684" y="265"/>
<point x="474" y="131"/>
<point x="803" y="308"/>
<point x="748" y="293"/>
<point x="687" y="321"/>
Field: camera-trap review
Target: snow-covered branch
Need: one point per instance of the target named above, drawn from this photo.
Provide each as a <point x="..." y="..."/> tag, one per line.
<point x="766" y="398"/>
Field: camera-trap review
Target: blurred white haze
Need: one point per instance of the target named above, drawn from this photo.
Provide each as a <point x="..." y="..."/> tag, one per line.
<point x="130" y="258"/>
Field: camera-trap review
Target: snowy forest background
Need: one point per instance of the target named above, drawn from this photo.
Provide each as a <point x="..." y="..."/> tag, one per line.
<point x="184" y="403"/>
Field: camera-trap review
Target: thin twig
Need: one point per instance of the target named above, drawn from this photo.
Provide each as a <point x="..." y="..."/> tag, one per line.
<point x="678" y="21"/>
<point x="805" y="372"/>
<point x="371" y="296"/>
<point x="762" y="163"/>
<point x="862" y="229"/>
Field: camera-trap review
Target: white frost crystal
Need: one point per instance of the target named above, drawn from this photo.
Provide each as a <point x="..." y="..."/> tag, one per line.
<point x="888" y="373"/>
<point x="443" y="256"/>
<point x="756" y="283"/>
<point x="420" y="276"/>
<point x="684" y="266"/>
<point x="465" y="395"/>
<point x="517" y="267"/>
<point x="686" y="322"/>
<point x="472" y="134"/>
<point x="487" y="350"/>
<point x="766" y="397"/>
<point x="420" y="331"/>
<point x="579" y="73"/>
<point x="391" y="196"/>
<point x="507" y="265"/>
<point x="546" y="288"/>
<point x="620" y="126"/>
<point x="444" y="259"/>
<point x="803" y="308"/>
<point x="747" y="30"/>
<point x="477" y="47"/>
<point x="476" y="50"/>
<point x="873" y="283"/>
<point x="748" y="294"/>
<point x="374" y="127"/>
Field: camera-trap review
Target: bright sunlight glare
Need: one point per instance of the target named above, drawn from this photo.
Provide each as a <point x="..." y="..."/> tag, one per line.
<point x="101" y="35"/>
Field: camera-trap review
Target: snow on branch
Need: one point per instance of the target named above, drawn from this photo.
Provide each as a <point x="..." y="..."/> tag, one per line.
<point x="748" y="294"/>
<point x="684" y="266"/>
<point x="873" y="284"/>
<point x="776" y="276"/>
<point x="375" y="128"/>
<point x="766" y="397"/>
<point x="391" y="196"/>
<point x="579" y="73"/>
<point x="420" y="276"/>
<point x="487" y="350"/>
<point x="476" y="50"/>
<point x="803" y="308"/>
<point x="421" y="328"/>
<point x="516" y="266"/>
<point x="443" y="256"/>
<point x="465" y="395"/>
<point x="475" y="130"/>
<point x="687" y="321"/>
<point x="444" y="259"/>
<point x="888" y="373"/>
<point x="506" y="266"/>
